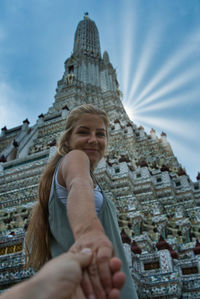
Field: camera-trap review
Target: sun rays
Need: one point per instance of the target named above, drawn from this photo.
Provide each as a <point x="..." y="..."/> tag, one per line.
<point x="153" y="100"/>
<point x="175" y="126"/>
<point x="129" y="28"/>
<point x="168" y="101"/>
<point x="176" y="83"/>
<point x="169" y="66"/>
<point x="148" y="51"/>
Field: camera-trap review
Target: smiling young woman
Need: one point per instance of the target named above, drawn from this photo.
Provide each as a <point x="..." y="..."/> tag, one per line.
<point x="71" y="213"/>
<point x="89" y="135"/>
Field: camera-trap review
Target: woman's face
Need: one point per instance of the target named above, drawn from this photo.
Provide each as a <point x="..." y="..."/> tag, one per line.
<point x="89" y="135"/>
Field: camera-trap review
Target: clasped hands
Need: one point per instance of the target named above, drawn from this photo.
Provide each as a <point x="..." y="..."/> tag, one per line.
<point x="64" y="278"/>
<point x="102" y="278"/>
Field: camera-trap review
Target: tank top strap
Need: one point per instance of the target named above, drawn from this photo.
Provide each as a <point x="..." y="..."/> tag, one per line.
<point x="56" y="171"/>
<point x="53" y="184"/>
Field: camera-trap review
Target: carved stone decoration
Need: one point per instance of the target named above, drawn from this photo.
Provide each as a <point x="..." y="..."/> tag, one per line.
<point x="70" y="78"/>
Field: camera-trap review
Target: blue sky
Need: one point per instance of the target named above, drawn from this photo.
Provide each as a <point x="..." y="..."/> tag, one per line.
<point x="153" y="44"/>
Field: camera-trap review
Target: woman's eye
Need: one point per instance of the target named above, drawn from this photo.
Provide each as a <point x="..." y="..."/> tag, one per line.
<point x="82" y="132"/>
<point x="101" y="134"/>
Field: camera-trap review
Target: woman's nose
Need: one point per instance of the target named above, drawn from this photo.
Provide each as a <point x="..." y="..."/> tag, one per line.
<point x="92" y="138"/>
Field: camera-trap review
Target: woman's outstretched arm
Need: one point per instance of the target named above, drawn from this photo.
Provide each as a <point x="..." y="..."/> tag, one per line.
<point x="86" y="227"/>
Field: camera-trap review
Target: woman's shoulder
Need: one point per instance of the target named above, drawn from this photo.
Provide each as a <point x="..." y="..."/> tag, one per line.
<point x="73" y="164"/>
<point x="76" y="162"/>
<point x="76" y="153"/>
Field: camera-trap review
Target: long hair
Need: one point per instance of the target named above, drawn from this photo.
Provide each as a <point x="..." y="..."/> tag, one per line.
<point x="37" y="241"/>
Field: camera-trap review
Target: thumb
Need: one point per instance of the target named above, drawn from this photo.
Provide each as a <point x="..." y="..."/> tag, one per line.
<point x="84" y="257"/>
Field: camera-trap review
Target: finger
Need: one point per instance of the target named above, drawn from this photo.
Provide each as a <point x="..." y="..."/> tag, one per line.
<point x="103" y="257"/>
<point x="118" y="280"/>
<point x="115" y="264"/>
<point x="84" y="257"/>
<point x="87" y="285"/>
<point x="105" y="277"/>
<point x="73" y="249"/>
<point x="95" y="280"/>
<point x="114" y="294"/>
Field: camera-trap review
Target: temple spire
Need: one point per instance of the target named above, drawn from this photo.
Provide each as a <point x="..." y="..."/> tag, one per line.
<point x="87" y="38"/>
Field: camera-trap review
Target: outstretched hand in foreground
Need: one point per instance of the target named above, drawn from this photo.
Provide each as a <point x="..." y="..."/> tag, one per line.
<point x="62" y="277"/>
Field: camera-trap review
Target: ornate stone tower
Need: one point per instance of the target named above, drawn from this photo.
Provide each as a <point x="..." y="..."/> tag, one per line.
<point x="158" y="205"/>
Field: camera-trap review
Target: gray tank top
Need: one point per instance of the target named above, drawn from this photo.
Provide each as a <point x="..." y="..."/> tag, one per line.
<point x="63" y="194"/>
<point x="62" y="239"/>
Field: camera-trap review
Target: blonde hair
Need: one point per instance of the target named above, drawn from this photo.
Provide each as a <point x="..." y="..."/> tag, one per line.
<point x="37" y="241"/>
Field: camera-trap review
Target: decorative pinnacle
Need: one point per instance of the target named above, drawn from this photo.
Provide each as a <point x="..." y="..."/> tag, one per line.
<point x="86" y="15"/>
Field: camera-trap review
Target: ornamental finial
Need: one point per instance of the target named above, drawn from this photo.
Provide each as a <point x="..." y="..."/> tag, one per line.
<point x="86" y="15"/>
